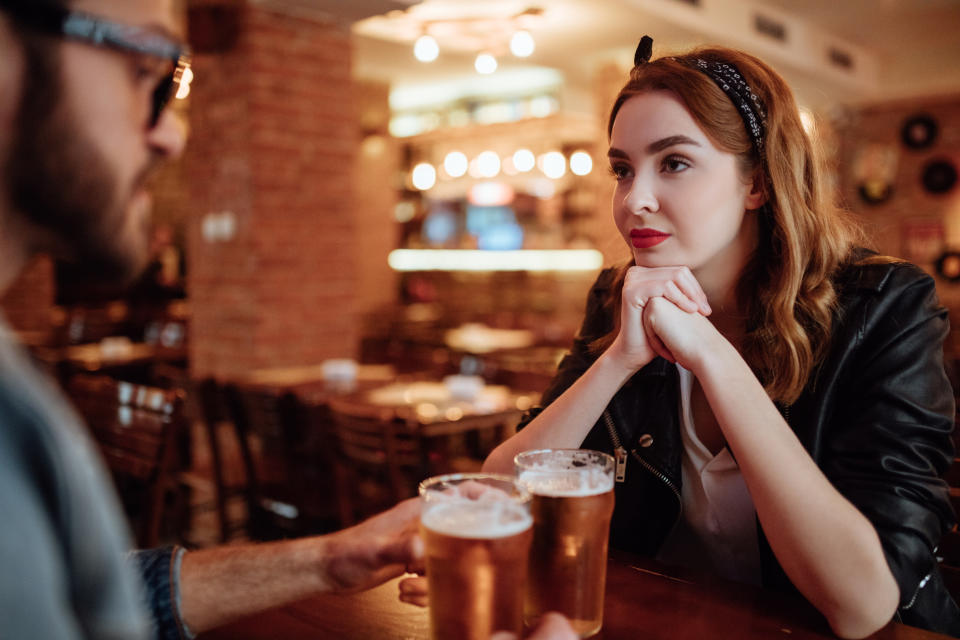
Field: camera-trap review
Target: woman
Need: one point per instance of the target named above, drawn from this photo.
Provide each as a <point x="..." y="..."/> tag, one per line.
<point x="751" y="366"/>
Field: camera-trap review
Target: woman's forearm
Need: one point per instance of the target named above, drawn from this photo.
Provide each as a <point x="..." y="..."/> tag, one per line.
<point x="568" y="419"/>
<point x="828" y="548"/>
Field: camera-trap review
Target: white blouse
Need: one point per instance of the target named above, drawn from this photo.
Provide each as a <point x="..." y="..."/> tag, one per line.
<point x="717" y="529"/>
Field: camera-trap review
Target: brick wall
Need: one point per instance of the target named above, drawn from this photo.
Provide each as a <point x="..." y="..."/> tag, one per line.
<point x="273" y="137"/>
<point x="912" y="223"/>
<point x="28" y="302"/>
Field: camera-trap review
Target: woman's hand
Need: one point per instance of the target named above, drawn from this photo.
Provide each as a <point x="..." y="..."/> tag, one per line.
<point x="635" y="346"/>
<point x="678" y="335"/>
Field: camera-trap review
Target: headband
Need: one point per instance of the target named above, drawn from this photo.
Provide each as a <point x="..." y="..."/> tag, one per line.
<point x="731" y="82"/>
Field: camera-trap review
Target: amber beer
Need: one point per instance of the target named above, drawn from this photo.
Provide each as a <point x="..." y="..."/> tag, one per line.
<point x="572" y="505"/>
<point x="477" y="531"/>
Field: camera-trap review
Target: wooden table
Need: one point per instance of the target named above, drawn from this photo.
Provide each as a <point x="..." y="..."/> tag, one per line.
<point x="643" y="602"/>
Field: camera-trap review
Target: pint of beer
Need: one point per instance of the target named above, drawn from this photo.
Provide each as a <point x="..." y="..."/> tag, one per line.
<point x="477" y="530"/>
<point x="572" y="506"/>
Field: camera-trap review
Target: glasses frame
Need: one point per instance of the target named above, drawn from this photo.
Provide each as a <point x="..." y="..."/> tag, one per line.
<point x="101" y="32"/>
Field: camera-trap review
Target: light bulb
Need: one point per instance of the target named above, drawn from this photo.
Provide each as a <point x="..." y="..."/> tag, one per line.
<point x="581" y="163"/>
<point x="426" y="49"/>
<point x="485" y="64"/>
<point x="455" y="164"/>
<point x="521" y="44"/>
<point x="523" y="160"/>
<point x="424" y="176"/>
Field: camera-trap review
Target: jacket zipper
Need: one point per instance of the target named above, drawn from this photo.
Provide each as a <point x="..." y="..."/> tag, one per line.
<point x="621" y="460"/>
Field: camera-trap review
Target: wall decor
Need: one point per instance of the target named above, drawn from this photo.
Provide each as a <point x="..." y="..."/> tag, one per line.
<point x="919" y="131"/>
<point x="939" y="176"/>
<point x="922" y="240"/>
<point x="874" y="171"/>
<point x="948" y="266"/>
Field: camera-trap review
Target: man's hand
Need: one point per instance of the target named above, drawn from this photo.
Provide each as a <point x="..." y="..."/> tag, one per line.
<point x="374" y="551"/>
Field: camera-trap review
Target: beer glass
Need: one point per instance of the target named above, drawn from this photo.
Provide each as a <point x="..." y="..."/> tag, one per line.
<point x="476" y="529"/>
<point x="572" y="505"/>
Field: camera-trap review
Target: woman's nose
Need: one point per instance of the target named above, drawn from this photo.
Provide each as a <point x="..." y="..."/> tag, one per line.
<point x="640" y="198"/>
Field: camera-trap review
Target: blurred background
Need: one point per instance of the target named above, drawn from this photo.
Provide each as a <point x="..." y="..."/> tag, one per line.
<point x="421" y="183"/>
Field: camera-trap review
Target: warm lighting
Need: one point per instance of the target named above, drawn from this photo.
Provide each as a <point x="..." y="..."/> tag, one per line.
<point x="426" y="49"/>
<point x="477" y="260"/>
<point x="184" y="89"/>
<point x="581" y="163"/>
<point x="521" y="44"/>
<point x="424" y="176"/>
<point x="490" y="194"/>
<point x="808" y="121"/>
<point x="553" y="164"/>
<point x="485" y="64"/>
<point x="485" y="165"/>
<point x="523" y="160"/>
<point x="455" y="164"/>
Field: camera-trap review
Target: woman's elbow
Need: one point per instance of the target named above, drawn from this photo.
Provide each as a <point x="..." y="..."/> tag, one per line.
<point x="867" y="618"/>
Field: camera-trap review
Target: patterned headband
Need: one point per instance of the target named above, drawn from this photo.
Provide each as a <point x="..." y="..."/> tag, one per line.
<point x="731" y="82"/>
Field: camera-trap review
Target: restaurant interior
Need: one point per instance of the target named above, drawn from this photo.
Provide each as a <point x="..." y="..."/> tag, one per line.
<point x="378" y="242"/>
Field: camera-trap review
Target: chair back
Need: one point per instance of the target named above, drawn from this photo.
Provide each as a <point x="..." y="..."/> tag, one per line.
<point x="136" y="428"/>
<point x="381" y="459"/>
<point x="283" y="447"/>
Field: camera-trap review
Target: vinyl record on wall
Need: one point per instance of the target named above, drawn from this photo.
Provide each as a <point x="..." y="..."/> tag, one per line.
<point x="939" y="176"/>
<point x="919" y="131"/>
<point x="948" y="266"/>
<point x="875" y="191"/>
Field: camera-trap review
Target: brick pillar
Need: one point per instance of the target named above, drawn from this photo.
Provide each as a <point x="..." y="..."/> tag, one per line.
<point x="27" y="303"/>
<point x="273" y="138"/>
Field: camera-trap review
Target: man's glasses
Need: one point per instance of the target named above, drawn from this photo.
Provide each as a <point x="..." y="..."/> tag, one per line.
<point x="100" y="32"/>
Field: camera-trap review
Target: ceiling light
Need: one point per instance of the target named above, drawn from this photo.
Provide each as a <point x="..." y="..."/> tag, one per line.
<point x="581" y="163"/>
<point x="424" y="176"/>
<point x="521" y="44"/>
<point x="455" y="164"/>
<point x="488" y="164"/>
<point x="485" y="64"/>
<point x="553" y="164"/>
<point x="523" y="160"/>
<point x="426" y="49"/>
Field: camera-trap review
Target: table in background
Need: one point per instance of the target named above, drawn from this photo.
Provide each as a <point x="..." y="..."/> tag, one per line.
<point x="642" y="603"/>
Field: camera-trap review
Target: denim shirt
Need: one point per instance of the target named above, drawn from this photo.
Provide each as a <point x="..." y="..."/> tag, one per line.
<point x="160" y="570"/>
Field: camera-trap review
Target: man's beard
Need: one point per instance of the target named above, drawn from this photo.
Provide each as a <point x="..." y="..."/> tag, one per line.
<point x="60" y="183"/>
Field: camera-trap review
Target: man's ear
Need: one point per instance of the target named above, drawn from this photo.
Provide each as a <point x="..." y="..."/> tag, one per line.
<point x="757" y="197"/>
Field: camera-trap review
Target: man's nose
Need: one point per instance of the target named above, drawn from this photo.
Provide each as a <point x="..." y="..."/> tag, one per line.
<point x="169" y="136"/>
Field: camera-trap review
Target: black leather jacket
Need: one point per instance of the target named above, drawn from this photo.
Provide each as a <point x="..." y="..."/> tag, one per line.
<point x="876" y="417"/>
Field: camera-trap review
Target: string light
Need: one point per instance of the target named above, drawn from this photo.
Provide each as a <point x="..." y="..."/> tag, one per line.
<point x="522" y="44"/>
<point x="426" y="49"/>
<point x="485" y="64"/>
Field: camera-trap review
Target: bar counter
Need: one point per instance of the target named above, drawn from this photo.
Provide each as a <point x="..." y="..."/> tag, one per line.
<point x="643" y="602"/>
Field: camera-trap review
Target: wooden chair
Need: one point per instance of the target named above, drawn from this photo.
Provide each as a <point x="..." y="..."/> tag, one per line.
<point x="380" y="459"/>
<point x="136" y="428"/>
<point x="283" y="443"/>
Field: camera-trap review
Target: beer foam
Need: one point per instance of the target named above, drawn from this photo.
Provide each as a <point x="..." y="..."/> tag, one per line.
<point x="477" y="519"/>
<point x="545" y="480"/>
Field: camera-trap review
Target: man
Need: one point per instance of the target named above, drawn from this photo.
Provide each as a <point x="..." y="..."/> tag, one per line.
<point x="83" y="125"/>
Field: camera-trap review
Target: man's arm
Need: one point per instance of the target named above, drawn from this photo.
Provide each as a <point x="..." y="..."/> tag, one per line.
<point x="222" y="584"/>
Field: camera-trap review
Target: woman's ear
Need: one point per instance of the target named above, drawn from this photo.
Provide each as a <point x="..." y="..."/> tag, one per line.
<point x="757" y="197"/>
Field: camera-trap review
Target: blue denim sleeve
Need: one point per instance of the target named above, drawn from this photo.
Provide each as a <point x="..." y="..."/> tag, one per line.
<point x="160" y="571"/>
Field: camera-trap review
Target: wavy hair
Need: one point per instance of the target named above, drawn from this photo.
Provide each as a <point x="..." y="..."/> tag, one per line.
<point x="786" y="288"/>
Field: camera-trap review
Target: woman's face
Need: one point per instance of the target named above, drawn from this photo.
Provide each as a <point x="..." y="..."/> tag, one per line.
<point x="679" y="200"/>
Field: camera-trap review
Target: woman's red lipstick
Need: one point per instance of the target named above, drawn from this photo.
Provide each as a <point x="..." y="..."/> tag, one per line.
<point x="646" y="238"/>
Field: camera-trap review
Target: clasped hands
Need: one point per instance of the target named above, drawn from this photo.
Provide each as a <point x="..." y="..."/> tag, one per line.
<point x="663" y="312"/>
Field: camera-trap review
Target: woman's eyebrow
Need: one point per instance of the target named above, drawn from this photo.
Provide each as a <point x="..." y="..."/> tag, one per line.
<point x="670" y="141"/>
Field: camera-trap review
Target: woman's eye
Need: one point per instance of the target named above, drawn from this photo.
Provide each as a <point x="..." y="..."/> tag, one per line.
<point x="619" y="171"/>
<point x="675" y="164"/>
